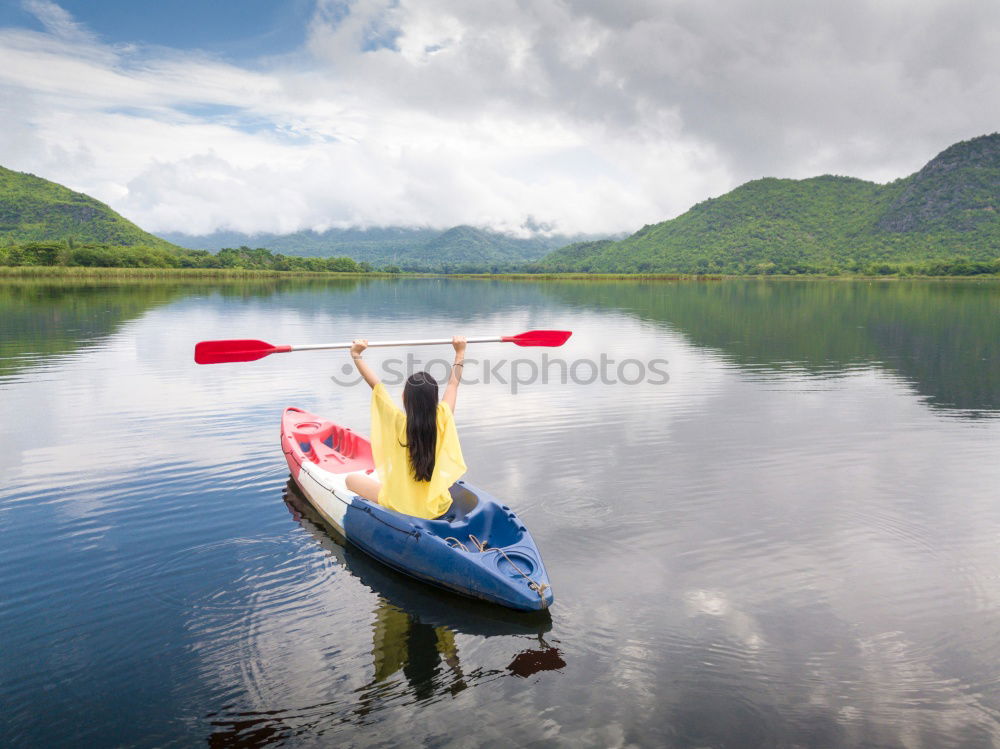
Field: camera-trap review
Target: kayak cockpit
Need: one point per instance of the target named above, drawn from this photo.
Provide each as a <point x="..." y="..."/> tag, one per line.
<point x="463" y="502"/>
<point x="491" y="523"/>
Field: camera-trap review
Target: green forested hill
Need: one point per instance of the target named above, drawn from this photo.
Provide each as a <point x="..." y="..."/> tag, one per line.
<point x="33" y="209"/>
<point x="43" y="223"/>
<point x="948" y="210"/>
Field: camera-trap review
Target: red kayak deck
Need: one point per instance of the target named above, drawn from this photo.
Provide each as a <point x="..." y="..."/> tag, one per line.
<point x="330" y="446"/>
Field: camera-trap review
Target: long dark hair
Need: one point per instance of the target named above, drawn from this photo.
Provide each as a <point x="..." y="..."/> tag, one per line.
<point x="420" y="399"/>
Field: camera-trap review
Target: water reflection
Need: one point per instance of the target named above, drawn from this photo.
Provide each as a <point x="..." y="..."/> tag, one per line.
<point x="402" y="642"/>
<point x="428" y="657"/>
<point x="942" y="337"/>
<point x="39" y="319"/>
<point x="42" y="317"/>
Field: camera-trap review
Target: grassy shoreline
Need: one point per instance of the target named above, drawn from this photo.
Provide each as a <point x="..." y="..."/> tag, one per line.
<point x="230" y="274"/>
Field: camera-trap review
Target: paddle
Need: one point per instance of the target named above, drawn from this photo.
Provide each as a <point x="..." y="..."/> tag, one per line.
<point x="218" y="352"/>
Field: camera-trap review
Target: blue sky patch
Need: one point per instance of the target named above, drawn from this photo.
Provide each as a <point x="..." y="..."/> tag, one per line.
<point x="233" y="29"/>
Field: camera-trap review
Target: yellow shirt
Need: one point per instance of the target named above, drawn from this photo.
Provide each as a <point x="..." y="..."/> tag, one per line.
<point x="400" y="491"/>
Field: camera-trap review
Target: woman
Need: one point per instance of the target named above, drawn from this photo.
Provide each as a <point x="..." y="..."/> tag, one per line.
<point x="417" y="455"/>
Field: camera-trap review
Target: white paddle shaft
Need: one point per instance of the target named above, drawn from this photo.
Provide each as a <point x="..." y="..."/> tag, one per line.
<point x="381" y="344"/>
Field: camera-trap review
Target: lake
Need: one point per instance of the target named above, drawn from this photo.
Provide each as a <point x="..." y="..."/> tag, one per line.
<point x="775" y="524"/>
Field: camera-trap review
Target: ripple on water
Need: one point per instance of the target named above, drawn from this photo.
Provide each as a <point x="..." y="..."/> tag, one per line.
<point x="224" y="575"/>
<point x="577" y="509"/>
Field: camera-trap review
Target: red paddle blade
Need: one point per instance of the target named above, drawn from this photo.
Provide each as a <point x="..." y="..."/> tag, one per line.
<point x="218" y="352"/>
<point x="540" y="338"/>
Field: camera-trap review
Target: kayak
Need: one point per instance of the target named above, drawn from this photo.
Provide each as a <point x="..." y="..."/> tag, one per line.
<point x="478" y="548"/>
<point x="427" y="604"/>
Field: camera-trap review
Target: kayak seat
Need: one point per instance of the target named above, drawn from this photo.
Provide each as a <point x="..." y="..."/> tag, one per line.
<point x="463" y="502"/>
<point x="468" y="516"/>
<point x="494" y="525"/>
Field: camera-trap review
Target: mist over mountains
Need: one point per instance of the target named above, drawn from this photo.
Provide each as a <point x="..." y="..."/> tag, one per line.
<point x="409" y="248"/>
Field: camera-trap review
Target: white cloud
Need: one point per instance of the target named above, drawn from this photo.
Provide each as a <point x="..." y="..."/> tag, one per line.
<point x="587" y="115"/>
<point x="57" y="21"/>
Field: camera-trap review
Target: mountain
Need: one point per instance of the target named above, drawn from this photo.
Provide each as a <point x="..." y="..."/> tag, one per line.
<point x="467" y="244"/>
<point x="374" y="242"/>
<point x="411" y="248"/>
<point x="949" y="209"/>
<point x="33" y="209"/>
<point x="959" y="190"/>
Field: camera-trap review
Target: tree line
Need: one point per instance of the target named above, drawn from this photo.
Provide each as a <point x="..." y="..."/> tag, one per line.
<point x="71" y="254"/>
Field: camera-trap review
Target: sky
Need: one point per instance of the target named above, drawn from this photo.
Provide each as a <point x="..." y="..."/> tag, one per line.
<point x="576" y="116"/>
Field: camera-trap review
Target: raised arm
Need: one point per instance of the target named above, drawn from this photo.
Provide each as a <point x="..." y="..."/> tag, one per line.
<point x="451" y="392"/>
<point x="357" y="348"/>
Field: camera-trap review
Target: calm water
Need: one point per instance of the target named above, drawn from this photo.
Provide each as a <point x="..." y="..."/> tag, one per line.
<point x="792" y="542"/>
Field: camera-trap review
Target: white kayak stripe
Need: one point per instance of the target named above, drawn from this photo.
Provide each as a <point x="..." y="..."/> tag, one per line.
<point x="327" y="492"/>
